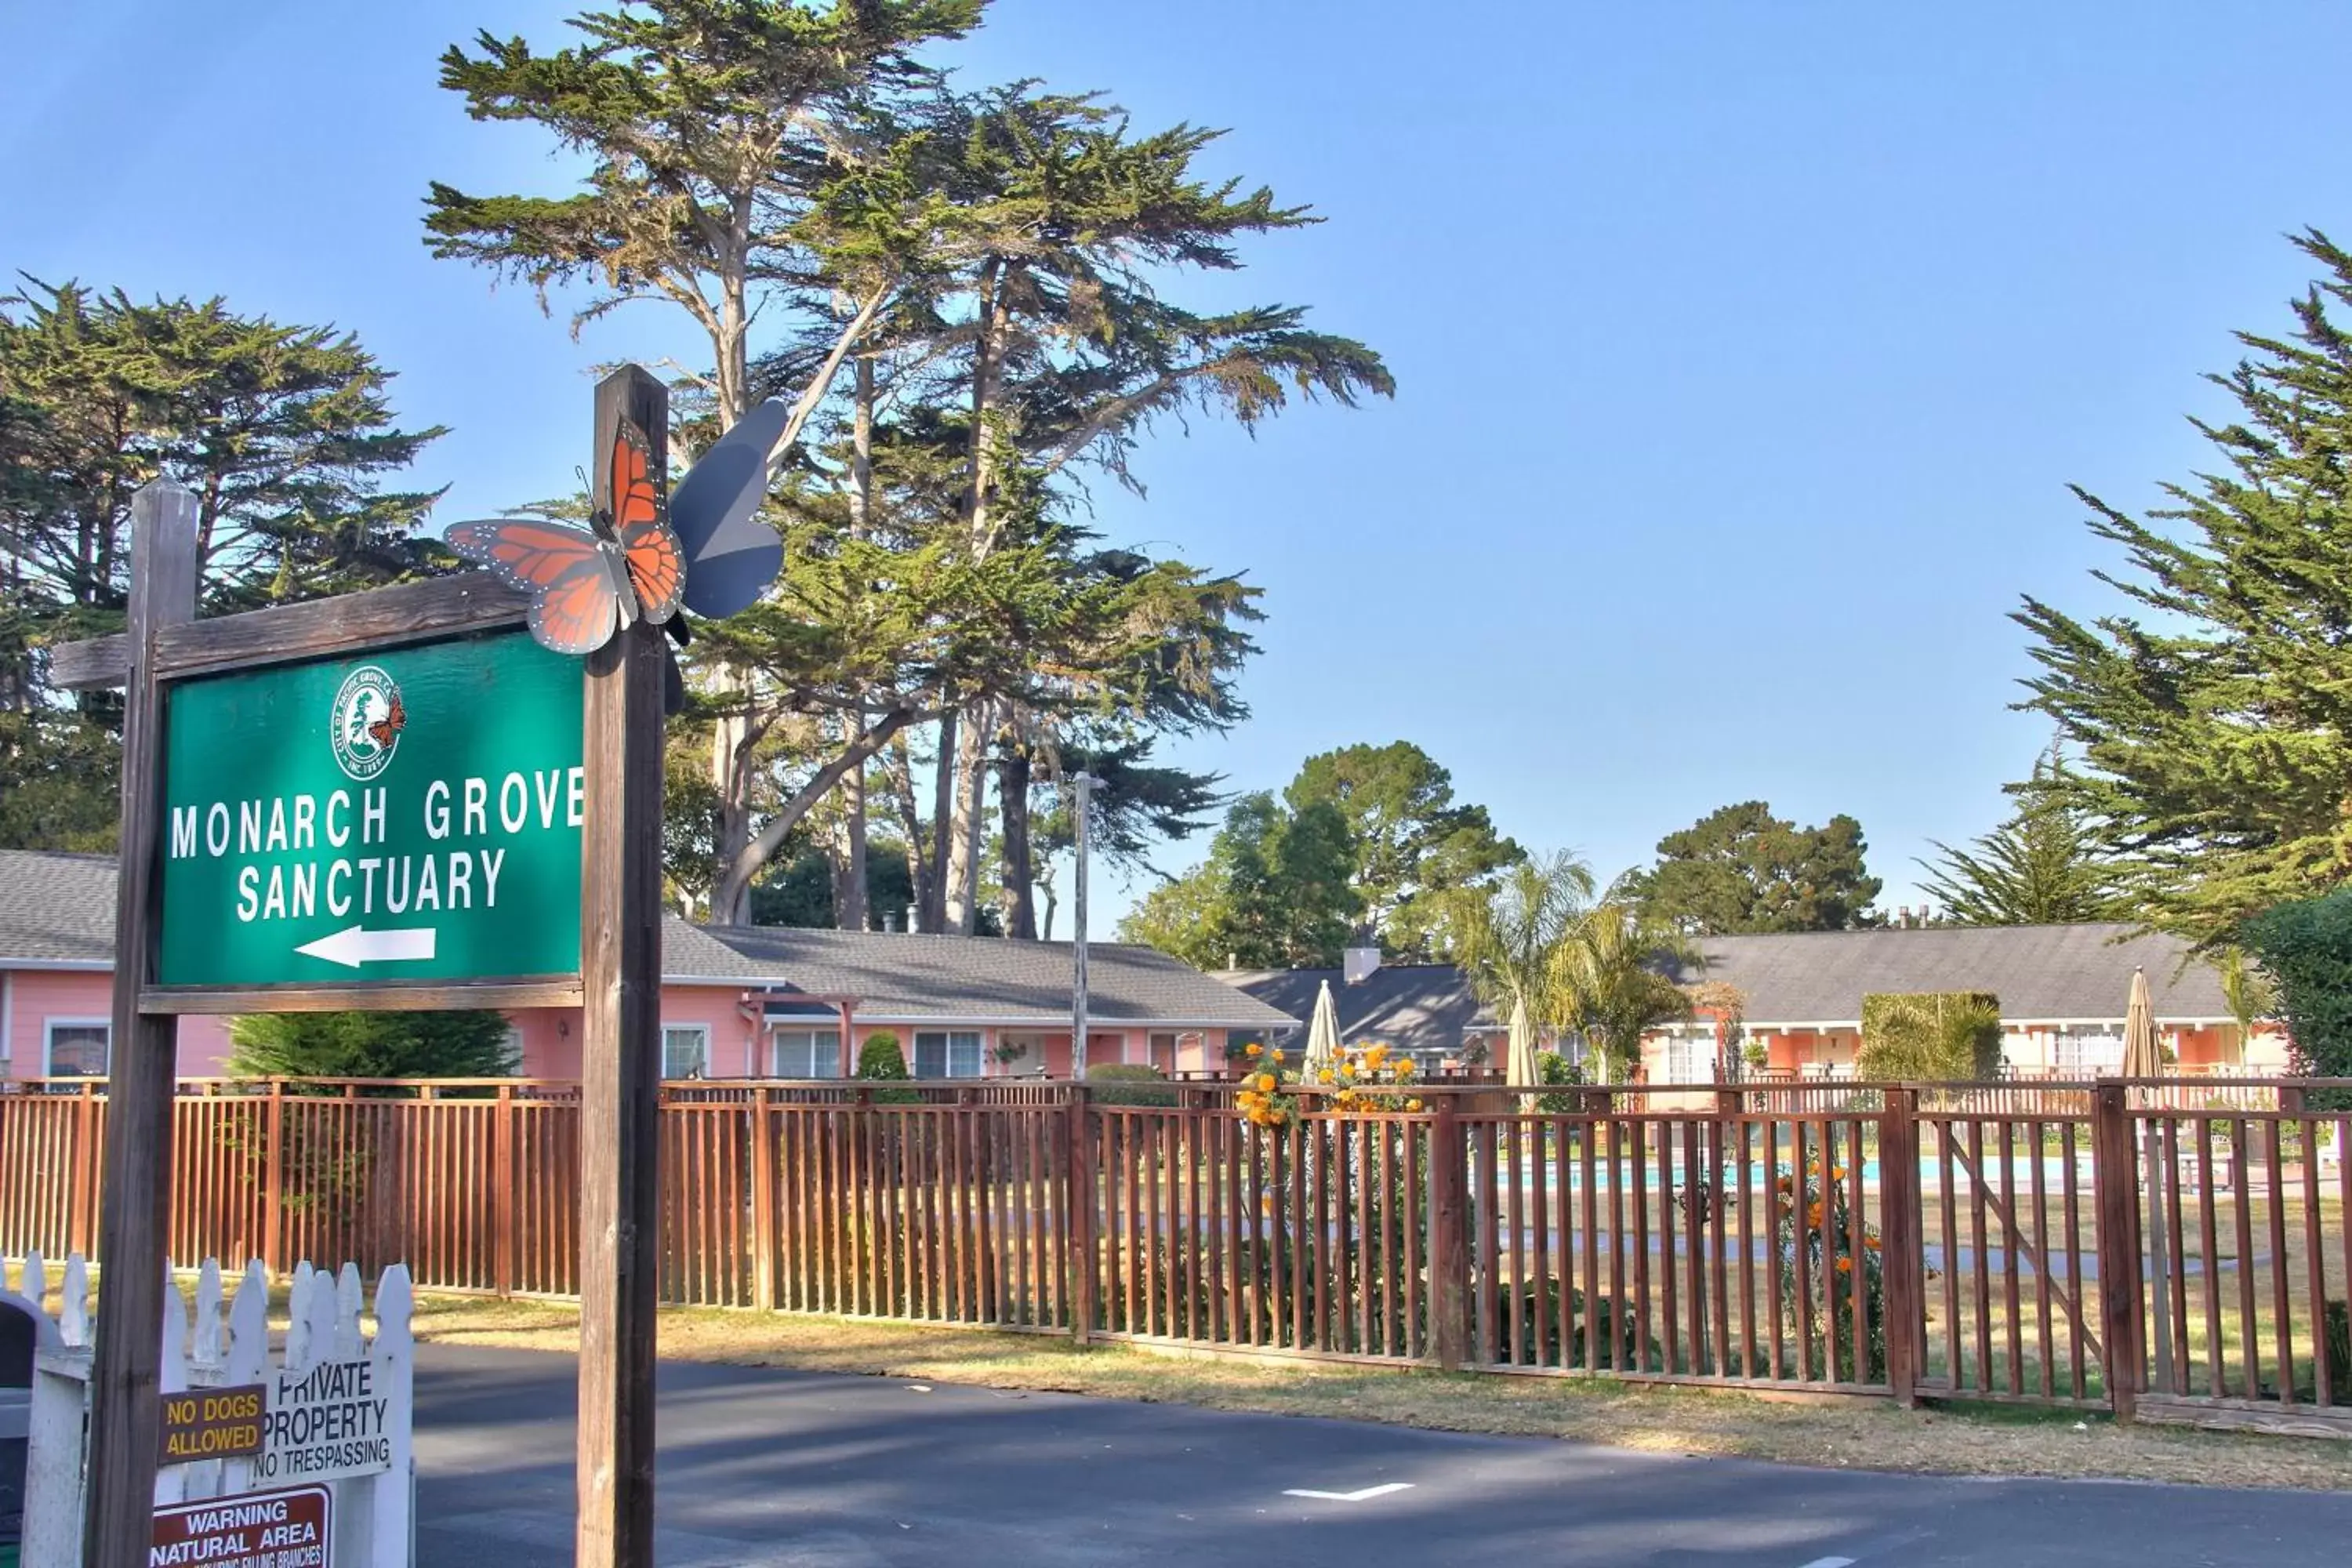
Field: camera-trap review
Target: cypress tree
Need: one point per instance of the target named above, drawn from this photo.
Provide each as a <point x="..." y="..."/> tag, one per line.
<point x="2214" y="712"/>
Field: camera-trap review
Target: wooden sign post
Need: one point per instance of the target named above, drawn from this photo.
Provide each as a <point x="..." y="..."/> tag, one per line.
<point x="359" y="882"/>
<point x="620" y="1046"/>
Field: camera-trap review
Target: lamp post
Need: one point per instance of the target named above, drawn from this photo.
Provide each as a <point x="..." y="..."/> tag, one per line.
<point x="1084" y="783"/>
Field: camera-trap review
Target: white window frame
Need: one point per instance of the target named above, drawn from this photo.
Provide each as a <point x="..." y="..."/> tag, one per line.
<point x="826" y="1060"/>
<point x="1696" y="1048"/>
<point x="946" y="1038"/>
<point x="701" y="1031"/>
<point x="49" y="1028"/>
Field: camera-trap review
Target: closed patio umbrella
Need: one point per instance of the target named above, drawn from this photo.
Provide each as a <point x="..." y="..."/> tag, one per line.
<point x="1519" y="1071"/>
<point x="1323" y="1032"/>
<point x="2142" y="1058"/>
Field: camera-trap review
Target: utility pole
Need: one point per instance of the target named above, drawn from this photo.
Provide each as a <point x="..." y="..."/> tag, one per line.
<point x="1084" y="783"/>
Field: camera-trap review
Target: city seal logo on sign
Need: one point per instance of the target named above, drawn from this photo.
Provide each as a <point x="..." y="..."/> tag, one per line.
<point x="365" y="724"/>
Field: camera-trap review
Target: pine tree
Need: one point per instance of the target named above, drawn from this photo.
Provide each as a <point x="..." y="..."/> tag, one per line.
<point x="1412" y="840"/>
<point x="2044" y="866"/>
<point x="285" y="434"/>
<point x="1740" y="869"/>
<point x="2214" y="714"/>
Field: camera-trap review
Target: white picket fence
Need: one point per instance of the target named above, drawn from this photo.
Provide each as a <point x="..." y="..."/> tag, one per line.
<point x="372" y="1515"/>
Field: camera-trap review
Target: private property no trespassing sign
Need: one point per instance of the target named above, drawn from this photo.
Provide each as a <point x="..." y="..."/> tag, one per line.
<point x="325" y="1422"/>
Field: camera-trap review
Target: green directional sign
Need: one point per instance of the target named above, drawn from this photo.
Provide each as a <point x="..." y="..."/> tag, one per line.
<point x="408" y="814"/>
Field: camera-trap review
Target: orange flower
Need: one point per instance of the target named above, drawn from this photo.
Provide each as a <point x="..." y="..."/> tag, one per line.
<point x="1278" y="1055"/>
<point x="1813" y="1213"/>
<point x="1265" y="1082"/>
<point x="1416" y="1105"/>
<point x="1869" y="1242"/>
<point x="1256" y="1049"/>
<point x="1845" y="1265"/>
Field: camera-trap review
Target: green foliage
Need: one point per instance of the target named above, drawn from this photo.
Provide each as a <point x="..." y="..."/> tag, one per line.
<point x="1609" y="973"/>
<point x="1551" y="1067"/>
<point x="1930" y="1036"/>
<point x="880" y="1058"/>
<point x="1129" y="1083"/>
<point x="1741" y="869"/>
<point x="1275" y="892"/>
<point x="1509" y="935"/>
<point x="2214" y="708"/>
<point x="285" y="436"/>
<point x="998" y="259"/>
<point x="371" y="1045"/>
<point x="1412" y="841"/>
<point x="2307" y="949"/>
<point x="2044" y="866"/>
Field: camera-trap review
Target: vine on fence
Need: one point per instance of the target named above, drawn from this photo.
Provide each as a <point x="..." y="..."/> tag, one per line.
<point x="1828" y="1312"/>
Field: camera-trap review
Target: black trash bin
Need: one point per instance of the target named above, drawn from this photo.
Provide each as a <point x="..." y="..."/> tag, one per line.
<point x="19" y="1332"/>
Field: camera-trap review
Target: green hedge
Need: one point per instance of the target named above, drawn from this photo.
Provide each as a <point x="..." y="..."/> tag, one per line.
<point x="1929" y="1035"/>
<point x="1129" y="1083"/>
<point x="2306" y="946"/>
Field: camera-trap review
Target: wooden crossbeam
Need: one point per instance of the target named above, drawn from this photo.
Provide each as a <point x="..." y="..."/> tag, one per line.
<point x="382" y="617"/>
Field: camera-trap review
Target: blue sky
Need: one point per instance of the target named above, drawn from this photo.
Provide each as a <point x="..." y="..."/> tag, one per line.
<point x="1745" y="351"/>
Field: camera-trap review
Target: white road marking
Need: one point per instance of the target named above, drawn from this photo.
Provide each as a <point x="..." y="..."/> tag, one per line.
<point x="1364" y="1496"/>
<point x="1829" y="1562"/>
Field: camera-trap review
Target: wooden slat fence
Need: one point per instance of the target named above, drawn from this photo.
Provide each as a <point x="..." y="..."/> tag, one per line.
<point x="2147" y="1246"/>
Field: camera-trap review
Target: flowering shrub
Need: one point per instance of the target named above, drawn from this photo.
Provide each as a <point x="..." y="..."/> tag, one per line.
<point x="1827" y="1313"/>
<point x="1361" y="1079"/>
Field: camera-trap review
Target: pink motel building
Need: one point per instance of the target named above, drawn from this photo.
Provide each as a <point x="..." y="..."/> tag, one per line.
<point x="736" y="1001"/>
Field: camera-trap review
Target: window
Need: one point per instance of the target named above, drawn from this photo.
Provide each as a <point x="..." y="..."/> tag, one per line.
<point x="1690" y="1058"/>
<point x="76" y="1047"/>
<point x="1161" y="1053"/>
<point x="947" y="1053"/>
<point x="806" y="1053"/>
<point x="686" y="1051"/>
<point x="2089" y="1050"/>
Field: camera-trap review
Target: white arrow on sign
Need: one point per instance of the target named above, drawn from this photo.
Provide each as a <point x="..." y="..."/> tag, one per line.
<point x="355" y="945"/>
<point x="1364" y="1496"/>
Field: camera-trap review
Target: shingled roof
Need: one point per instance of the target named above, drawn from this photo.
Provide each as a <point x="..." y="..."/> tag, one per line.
<point x="967" y="979"/>
<point x="57" y="911"/>
<point x="1425" y="1007"/>
<point x="2041" y="974"/>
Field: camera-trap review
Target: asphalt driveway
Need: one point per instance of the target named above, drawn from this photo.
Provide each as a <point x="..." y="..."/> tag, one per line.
<point x="777" y="1467"/>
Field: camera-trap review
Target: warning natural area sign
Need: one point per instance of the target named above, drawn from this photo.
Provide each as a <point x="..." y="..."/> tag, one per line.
<point x="256" y="1530"/>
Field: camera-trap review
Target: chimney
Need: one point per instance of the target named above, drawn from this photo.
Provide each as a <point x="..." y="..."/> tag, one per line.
<point x="1360" y="963"/>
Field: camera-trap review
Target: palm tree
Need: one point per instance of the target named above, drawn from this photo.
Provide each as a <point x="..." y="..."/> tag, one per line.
<point x="1506" y="935"/>
<point x="1607" y="977"/>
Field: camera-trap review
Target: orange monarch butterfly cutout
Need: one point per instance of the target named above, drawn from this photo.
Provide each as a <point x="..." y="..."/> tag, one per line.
<point x="586" y="584"/>
<point x="386" y="730"/>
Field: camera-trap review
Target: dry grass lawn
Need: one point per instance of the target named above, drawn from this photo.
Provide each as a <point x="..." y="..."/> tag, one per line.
<point x="1981" y="1440"/>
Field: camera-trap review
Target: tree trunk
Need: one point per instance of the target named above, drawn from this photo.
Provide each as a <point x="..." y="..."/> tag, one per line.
<point x="935" y="891"/>
<point x="898" y="763"/>
<point x="849" y="899"/>
<point x="981" y="454"/>
<point x="734" y="888"/>
<point x="1013" y="801"/>
<point x="731" y="775"/>
<point x="966" y="809"/>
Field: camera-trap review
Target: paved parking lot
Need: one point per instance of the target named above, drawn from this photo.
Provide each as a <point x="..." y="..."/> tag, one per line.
<point x="774" y="1468"/>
